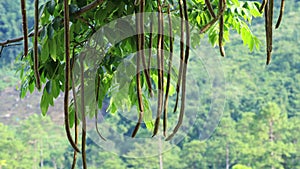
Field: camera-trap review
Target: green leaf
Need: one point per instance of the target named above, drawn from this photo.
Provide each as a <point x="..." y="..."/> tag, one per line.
<point x="251" y="44"/>
<point x="31" y="87"/>
<point x="49" y="87"/>
<point x="198" y="19"/>
<point x="50" y="31"/>
<point x="50" y="5"/>
<point x="55" y="88"/>
<point x="57" y="24"/>
<point x="44" y="15"/>
<point x="147" y="114"/>
<point x="235" y="2"/>
<point x="50" y="98"/>
<point x="73" y="8"/>
<point x="112" y="108"/>
<point x="45" y="53"/>
<point x="52" y="48"/>
<point x="44" y="104"/>
<point x="23" y="92"/>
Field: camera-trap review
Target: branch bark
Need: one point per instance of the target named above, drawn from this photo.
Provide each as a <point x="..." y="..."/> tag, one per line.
<point x="75" y="14"/>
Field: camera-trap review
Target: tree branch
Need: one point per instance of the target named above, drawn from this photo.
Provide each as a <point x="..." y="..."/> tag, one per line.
<point x="75" y="14"/>
<point x="88" y="7"/>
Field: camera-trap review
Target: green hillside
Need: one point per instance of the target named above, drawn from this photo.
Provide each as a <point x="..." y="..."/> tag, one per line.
<point x="259" y="127"/>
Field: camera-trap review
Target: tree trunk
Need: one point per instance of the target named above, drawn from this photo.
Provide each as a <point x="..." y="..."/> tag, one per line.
<point x="160" y="153"/>
<point x="227" y="156"/>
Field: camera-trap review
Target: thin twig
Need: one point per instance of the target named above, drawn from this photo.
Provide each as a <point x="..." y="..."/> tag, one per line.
<point x="87" y="22"/>
<point x="88" y="7"/>
<point x="2" y="47"/>
<point x="75" y="14"/>
<point x="212" y="22"/>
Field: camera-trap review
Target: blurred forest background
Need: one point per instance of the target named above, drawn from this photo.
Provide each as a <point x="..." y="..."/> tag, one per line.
<point x="259" y="128"/>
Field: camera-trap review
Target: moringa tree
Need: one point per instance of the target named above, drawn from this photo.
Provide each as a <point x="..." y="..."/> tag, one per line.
<point x="68" y="48"/>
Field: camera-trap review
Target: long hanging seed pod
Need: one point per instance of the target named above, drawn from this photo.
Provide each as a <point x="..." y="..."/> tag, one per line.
<point x="75" y="113"/>
<point x="280" y="14"/>
<point x="269" y="29"/>
<point x="212" y="22"/>
<point x="150" y="43"/>
<point x="138" y="77"/>
<point x="24" y="24"/>
<point x="35" y="44"/>
<point x="181" y="54"/>
<point x="187" y="50"/>
<point x="169" y="74"/>
<point x="96" y="108"/>
<point x="67" y="75"/>
<point x="83" y="132"/>
<point x="268" y="6"/>
<point x="160" y="67"/>
<point x="221" y="28"/>
<point x="263" y="4"/>
<point x="269" y="52"/>
<point x="142" y="38"/>
<point x="210" y="9"/>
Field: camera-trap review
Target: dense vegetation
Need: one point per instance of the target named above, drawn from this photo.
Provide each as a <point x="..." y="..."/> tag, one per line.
<point x="259" y="128"/>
